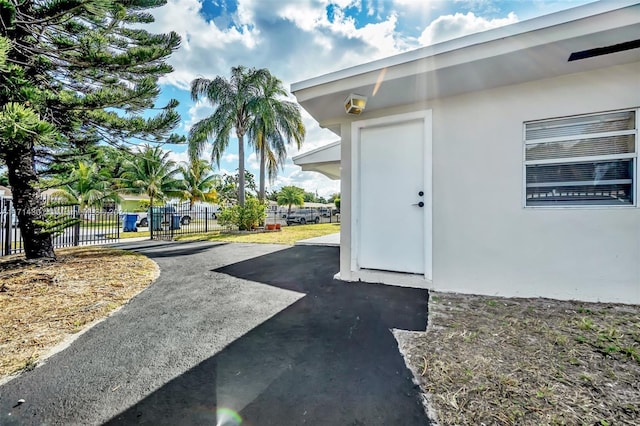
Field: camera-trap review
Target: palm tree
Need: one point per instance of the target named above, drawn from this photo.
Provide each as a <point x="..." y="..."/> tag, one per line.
<point x="277" y="122"/>
<point x="87" y="187"/>
<point x="290" y="195"/>
<point x="234" y="101"/>
<point x="152" y="172"/>
<point x="199" y="183"/>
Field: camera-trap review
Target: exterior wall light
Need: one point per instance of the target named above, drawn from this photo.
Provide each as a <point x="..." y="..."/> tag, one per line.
<point x="354" y="104"/>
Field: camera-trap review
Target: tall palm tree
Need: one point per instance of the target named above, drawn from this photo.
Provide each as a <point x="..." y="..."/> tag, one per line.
<point x="234" y="101"/>
<point x="152" y="172"/>
<point x="199" y="182"/>
<point x="291" y="195"/>
<point x="87" y="187"/>
<point x="277" y="122"/>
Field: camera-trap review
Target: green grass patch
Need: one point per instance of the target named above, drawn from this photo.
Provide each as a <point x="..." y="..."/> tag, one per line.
<point x="135" y="234"/>
<point x="288" y="235"/>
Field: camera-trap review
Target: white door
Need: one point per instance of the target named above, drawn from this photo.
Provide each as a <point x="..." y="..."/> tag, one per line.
<point x="395" y="228"/>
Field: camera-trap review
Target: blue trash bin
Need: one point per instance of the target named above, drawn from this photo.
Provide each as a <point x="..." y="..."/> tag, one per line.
<point x="175" y="221"/>
<point x="129" y="223"/>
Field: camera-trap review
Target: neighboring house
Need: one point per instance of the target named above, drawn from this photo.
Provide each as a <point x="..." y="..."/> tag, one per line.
<point x="132" y="202"/>
<point x="46" y="194"/>
<point x="510" y="159"/>
<point x="5" y="192"/>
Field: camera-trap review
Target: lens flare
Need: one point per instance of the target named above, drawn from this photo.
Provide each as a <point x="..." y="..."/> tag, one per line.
<point x="228" y="417"/>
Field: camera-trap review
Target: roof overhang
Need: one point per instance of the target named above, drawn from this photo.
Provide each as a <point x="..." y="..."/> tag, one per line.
<point x="526" y="51"/>
<point x="325" y="160"/>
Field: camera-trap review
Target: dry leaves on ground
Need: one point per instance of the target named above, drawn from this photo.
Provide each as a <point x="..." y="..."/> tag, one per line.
<point x="42" y="303"/>
<point x="488" y="360"/>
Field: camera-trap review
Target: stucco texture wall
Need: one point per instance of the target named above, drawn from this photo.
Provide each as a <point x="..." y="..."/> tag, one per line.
<point x="484" y="240"/>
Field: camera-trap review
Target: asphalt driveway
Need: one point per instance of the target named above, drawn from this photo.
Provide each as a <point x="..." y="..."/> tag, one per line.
<point x="259" y="330"/>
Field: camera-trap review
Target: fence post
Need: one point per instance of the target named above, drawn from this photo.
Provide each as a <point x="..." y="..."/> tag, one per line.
<point x="7" y="226"/>
<point x="76" y="227"/>
<point x="206" y="219"/>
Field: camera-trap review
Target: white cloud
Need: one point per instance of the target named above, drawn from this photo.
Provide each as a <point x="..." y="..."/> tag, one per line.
<point x="178" y="157"/>
<point x="309" y="181"/>
<point x="202" y="41"/>
<point x="294" y="39"/>
<point x="197" y="112"/>
<point x="447" y="27"/>
<point x="223" y="171"/>
<point x="252" y="161"/>
<point x="230" y="157"/>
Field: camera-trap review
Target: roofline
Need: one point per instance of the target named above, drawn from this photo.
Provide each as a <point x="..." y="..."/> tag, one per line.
<point x="314" y="151"/>
<point x="529" y="25"/>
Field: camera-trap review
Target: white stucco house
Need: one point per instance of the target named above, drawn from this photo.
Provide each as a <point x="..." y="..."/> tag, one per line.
<point x="508" y="159"/>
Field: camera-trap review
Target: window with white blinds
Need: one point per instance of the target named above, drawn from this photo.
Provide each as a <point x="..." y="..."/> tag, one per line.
<point x="582" y="161"/>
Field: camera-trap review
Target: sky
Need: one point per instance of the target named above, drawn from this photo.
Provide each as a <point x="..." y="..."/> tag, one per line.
<point x="301" y="39"/>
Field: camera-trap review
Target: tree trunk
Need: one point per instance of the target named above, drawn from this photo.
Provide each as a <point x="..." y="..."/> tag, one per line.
<point x="28" y="203"/>
<point x="241" y="195"/>
<point x="262" y="172"/>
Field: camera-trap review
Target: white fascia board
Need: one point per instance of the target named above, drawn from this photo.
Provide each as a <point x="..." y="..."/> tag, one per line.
<point x="458" y="44"/>
<point x="314" y="153"/>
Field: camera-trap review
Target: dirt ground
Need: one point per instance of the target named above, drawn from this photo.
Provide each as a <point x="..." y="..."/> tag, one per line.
<point x="41" y="304"/>
<point x="489" y="360"/>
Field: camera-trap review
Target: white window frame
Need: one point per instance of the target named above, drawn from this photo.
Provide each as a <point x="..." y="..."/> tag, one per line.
<point x="635" y="189"/>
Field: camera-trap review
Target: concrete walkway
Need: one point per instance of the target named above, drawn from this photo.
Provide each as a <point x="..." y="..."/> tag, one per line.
<point x="331" y="240"/>
<point x="257" y="331"/>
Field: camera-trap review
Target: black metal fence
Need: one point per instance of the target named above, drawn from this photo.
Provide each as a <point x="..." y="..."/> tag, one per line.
<point x="171" y="220"/>
<point x="90" y="227"/>
<point x="163" y="223"/>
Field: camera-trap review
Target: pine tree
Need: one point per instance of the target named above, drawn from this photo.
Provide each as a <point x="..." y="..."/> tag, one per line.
<point x="77" y="73"/>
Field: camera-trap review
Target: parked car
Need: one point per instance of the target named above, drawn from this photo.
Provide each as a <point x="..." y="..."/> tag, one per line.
<point x="325" y="211"/>
<point x="143" y="217"/>
<point x="303" y="216"/>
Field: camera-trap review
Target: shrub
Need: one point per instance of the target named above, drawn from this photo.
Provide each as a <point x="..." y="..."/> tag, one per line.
<point x="143" y="206"/>
<point x="245" y="218"/>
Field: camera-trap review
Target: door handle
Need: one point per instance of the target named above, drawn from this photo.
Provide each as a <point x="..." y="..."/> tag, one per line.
<point x="420" y="204"/>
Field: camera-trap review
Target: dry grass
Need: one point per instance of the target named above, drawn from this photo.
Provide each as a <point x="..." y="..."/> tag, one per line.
<point x="42" y="303"/>
<point x="487" y="360"/>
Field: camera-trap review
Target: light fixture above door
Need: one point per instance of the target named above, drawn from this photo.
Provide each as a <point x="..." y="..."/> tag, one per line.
<point x="354" y="104"/>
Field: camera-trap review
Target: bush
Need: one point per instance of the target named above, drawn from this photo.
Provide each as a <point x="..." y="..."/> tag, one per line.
<point x="245" y="218"/>
<point x="143" y="206"/>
